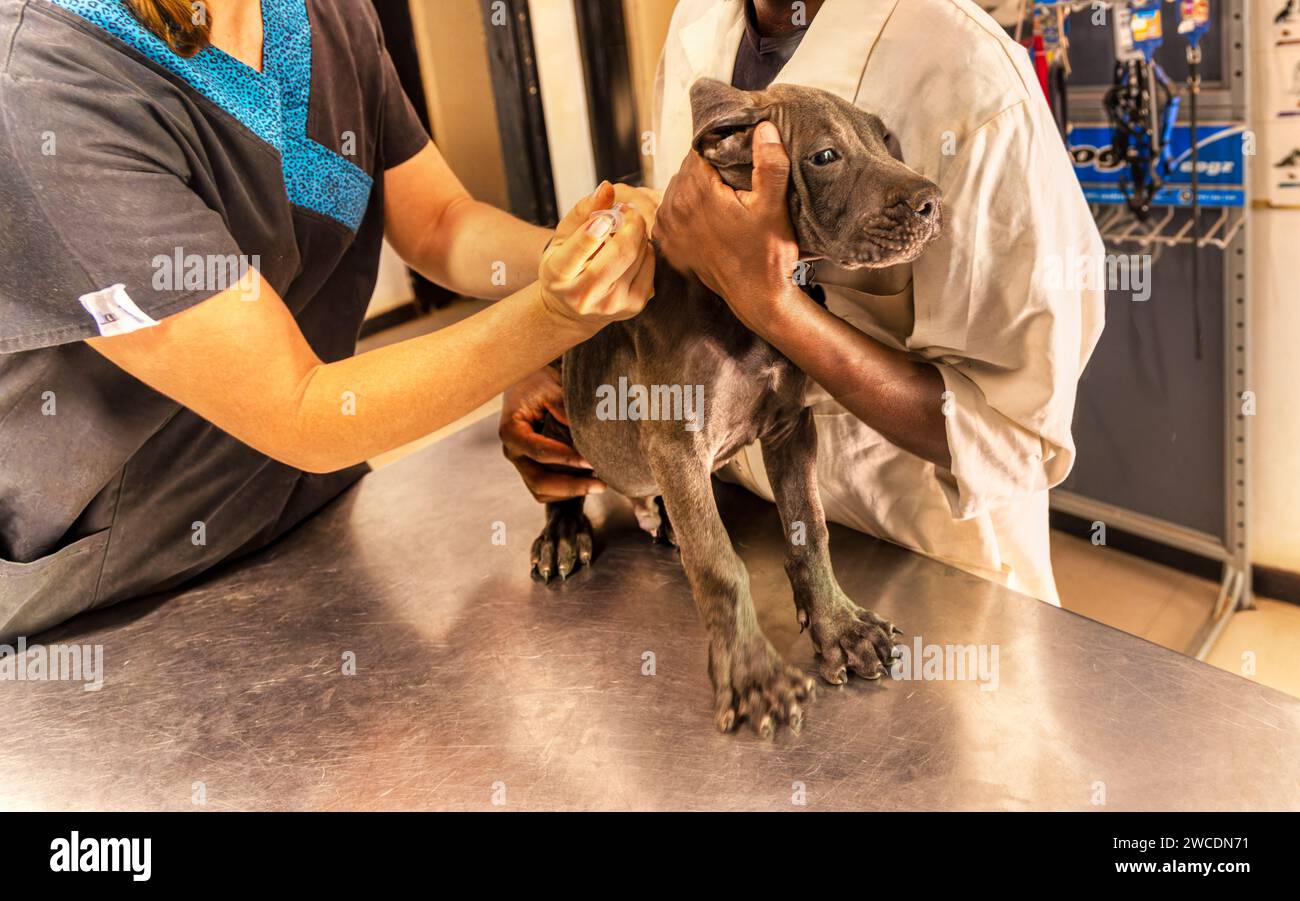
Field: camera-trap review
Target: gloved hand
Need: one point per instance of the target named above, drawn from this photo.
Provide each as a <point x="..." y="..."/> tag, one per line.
<point x="592" y="274"/>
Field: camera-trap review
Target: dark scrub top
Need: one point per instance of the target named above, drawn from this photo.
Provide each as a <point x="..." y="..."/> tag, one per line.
<point x="759" y="60"/>
<point x="115" y="154"/>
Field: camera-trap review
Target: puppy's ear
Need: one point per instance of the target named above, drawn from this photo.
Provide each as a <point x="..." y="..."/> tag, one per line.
<point x="725" y="118"/>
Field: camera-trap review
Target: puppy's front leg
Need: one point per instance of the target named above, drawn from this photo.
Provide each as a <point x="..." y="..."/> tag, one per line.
<point x="750" y="679"/>
<point x="845" y="635"/>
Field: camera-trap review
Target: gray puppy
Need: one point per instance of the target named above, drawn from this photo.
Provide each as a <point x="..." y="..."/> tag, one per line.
<point x="851" y="203"/>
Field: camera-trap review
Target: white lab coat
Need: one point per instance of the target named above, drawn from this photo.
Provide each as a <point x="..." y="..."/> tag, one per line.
<point x="992" y="303"/>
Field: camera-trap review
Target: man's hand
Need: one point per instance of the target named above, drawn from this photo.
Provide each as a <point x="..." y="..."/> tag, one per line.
<point x="524" y="408"/>
<point x="739" y="243"/>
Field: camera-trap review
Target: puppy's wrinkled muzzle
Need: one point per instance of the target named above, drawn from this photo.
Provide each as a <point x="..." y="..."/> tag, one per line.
<point x="909" y="218"/>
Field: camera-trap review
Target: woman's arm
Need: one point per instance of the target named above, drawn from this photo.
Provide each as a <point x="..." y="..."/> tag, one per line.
<point x="447" y="236"/>
<point x="470" y="247"/>
<point x="245" y="366"/>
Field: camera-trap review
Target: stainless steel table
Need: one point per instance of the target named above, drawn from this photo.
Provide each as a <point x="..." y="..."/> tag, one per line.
<point x="476" y="688"/>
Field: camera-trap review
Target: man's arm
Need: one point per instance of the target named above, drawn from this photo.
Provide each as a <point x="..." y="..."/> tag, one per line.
<point x="896" y="394"/>
<point x="741" y="245"/>
<point x="447" y="236"/>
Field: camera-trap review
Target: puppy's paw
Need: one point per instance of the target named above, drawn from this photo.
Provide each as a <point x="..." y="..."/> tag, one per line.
<point x="848" y="638"/>
<point x="564" y="545"/>
<point x="751" y="682"/>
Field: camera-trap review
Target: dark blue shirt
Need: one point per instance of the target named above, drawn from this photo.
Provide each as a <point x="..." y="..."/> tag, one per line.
<point x="116" y="156"/>
<point x="760" y="59"/>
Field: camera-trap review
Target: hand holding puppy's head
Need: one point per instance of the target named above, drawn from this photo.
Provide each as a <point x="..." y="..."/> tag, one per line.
<point x="850" y="200"/>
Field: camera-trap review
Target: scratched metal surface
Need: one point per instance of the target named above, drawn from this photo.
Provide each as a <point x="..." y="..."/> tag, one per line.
<point x="475" y="684"/>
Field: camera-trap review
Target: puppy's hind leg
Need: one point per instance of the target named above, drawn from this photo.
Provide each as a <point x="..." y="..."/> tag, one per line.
<point x="566" y="540"/>
<point x="844" y="635"/>
<point x="652" y="517"/>
<point x="750" y="679"/>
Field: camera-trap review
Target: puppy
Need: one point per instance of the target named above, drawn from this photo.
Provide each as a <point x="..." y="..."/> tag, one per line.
<point x="850" y="203"/>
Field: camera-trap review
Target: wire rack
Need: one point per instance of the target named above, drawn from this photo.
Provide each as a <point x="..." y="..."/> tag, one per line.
<point x="1118" y="226"/>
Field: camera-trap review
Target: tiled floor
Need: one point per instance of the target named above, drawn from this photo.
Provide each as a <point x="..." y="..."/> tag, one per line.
<point x="1168" y="607"/>
<point x="1156" y="602"/>
<point x="1263" y="645"/>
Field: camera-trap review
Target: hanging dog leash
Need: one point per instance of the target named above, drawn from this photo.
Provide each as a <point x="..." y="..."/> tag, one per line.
<point x="1193" y="24"/>
<point x="1141" y="105"/>
<point x="1053" y="24"/>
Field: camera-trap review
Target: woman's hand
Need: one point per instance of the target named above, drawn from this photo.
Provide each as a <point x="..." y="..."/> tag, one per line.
<point x="591" y="276"/>
<point x="545" y="463"/>
<point x="644" y="200"/>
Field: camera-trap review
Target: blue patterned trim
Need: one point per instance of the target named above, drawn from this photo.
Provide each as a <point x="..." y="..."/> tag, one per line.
<point x="272" y="103"/>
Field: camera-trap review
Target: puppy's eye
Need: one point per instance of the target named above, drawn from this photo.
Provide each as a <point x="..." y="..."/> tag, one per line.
<point x="825" y="157"/>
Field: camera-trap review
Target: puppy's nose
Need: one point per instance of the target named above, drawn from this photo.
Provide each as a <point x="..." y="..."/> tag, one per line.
<point x="925" y="203"/>
<point x="915" y="202"/>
